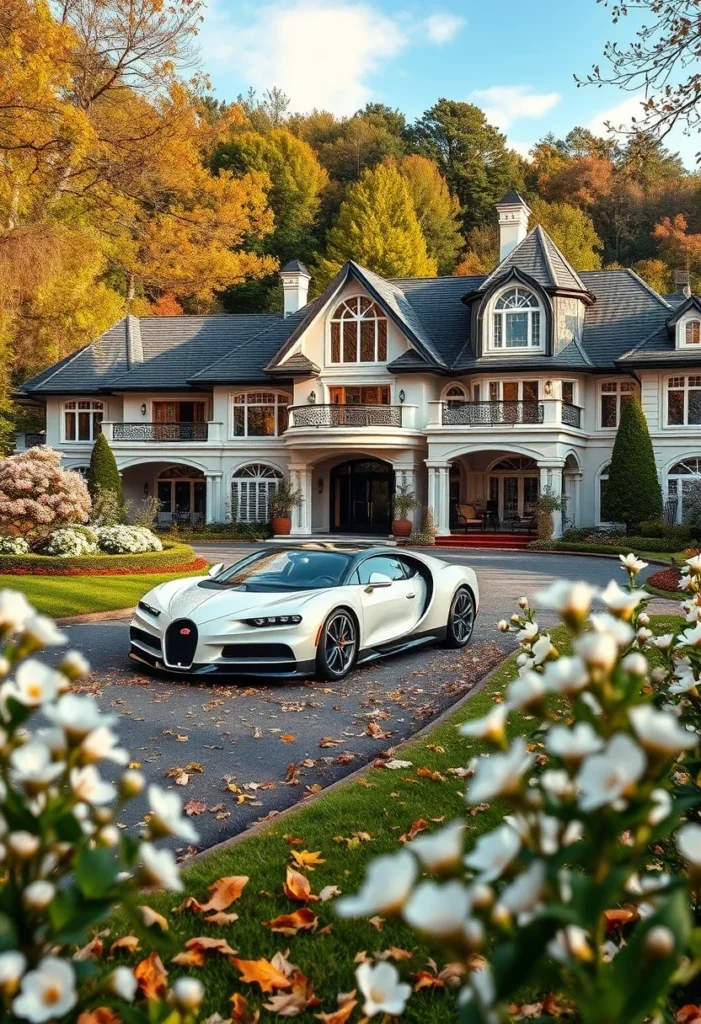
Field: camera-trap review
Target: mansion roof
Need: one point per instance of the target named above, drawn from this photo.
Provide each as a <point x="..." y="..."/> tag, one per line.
<point x="625" y="325"/>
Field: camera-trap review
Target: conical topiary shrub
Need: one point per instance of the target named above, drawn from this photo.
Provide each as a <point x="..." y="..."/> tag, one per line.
<point x="633" y="493"/>
<point x="103" y="475"/>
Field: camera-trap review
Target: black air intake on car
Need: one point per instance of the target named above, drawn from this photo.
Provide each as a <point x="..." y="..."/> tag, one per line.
<point x="181" y="643"/>
<point x="147" y="639"/>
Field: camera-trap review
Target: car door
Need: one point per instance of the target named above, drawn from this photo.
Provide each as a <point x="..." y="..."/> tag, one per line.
<point x="388" y="599"/>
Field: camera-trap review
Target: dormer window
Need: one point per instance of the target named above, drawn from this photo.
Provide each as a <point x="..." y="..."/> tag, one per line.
<point x="692" y="332"/>
<point x="358" y="332"/>
<point x="516" y="321"/>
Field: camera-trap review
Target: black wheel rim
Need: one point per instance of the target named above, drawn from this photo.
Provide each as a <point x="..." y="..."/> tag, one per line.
<point x="340" y="643"/>
<point x="463" y="618"/>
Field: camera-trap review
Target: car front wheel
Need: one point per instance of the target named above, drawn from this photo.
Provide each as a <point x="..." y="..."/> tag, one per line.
<point x="338" y="646"/>
<point x="461" y="620"/>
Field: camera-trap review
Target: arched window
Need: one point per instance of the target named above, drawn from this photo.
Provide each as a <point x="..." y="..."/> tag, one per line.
<point x="182" y="493"/>
<point x="684" y="488"/>
<point x="455" y="393"/>
<point x="515" y="464"/>
<point x="82" y="421"/>
<point x="516" y="320"/>
<point x="358" y="332"/>
<point x="251" y="490"/>
<point x="260" y="413"/>
<point x="692" y="332"/>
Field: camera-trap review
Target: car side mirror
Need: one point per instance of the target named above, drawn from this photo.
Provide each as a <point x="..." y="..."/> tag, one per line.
<point x="377" y="581"/>
<point x="214" y="570"/>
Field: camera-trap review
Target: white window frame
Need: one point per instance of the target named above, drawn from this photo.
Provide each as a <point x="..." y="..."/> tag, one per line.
<point x="241" y="400"/>
<point x="569" y="380"/>
<point x="537" y="345"/>
<point x="359" y="319"/>
<point x="460" y="394"/>
<point x="72" y="408"/>
<point x="678" y="478"/>
<point x="691" y="321"/>
<point x="686" y="388"/>
<point x="253" y="491"/>
<point x="617" y="387"/>
<point x="520" y="382"/>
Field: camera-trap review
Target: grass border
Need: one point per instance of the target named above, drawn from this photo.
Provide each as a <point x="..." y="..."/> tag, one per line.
<point x="173" y="558"/>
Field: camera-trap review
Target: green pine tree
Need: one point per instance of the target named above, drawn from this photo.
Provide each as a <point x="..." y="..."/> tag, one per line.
<point x="633" y="493"/>
<point x="103" y="474"/>
<point x="377" y="227"/>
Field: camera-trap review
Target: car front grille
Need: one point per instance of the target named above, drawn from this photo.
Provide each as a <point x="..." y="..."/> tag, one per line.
<point x="147" y="639"/>
<point x="181" y="643"/>
<point x="258" y="652"/>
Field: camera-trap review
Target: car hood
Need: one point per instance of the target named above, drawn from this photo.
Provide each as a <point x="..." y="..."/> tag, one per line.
<point x="203" y="602"/>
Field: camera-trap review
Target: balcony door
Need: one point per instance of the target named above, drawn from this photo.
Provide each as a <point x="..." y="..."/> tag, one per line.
<point x="361" y="497"/>
<point x="376" y="394"/>
<point x="514" y="486"/>
<point x="180" y="421"/>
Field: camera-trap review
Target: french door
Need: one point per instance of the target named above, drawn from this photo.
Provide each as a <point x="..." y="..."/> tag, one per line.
<point x="515" y="495"/>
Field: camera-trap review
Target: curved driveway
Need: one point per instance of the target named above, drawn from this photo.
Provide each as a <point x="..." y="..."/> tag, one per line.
<point x="263" y="747"/>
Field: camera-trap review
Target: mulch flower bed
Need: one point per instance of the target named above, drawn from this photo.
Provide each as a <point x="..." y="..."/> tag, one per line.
<point x="149" y="570"/>
<point x="665" y="579"/>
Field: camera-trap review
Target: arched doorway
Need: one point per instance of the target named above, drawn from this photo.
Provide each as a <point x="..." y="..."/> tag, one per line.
<point x="361" y="496"/>
<point x="514" y="485"/>
<point x="182" y="495"/>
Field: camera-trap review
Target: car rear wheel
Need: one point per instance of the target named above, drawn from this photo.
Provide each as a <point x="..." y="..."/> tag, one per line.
<point x="338" y="646"/>
<point x="461" y="620"/>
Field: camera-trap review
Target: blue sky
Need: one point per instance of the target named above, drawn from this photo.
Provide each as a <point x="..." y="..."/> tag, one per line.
<point x="516" y="59"/>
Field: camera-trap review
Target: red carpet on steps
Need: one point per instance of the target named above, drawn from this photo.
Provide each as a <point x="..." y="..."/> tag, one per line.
<point x="495" y="541"/>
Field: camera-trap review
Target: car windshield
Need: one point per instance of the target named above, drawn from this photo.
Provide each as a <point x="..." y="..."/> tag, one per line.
<point x="287" y="570"/>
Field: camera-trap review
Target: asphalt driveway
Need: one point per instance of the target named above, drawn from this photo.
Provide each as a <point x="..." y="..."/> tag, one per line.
<point x="240" y="752"/>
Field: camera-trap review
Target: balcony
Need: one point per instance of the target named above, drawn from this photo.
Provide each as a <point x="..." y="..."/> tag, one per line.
<point x="488" y="414"/>
<point x="24" y="441"/>
<point x="571" y="415"/>
<point x="159" y="433"/>
<point x="353" y="416"/>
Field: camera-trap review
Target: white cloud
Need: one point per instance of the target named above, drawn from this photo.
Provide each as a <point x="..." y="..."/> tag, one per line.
<point x="443" y="28"/>
<point x="504" y="104"/>
<point x="522" y="148"/>
<point x="620" y="115"/>
<point x="320" y="52"/>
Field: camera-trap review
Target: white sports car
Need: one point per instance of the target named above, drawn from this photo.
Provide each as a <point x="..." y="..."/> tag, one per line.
<point x="301" y="611"/>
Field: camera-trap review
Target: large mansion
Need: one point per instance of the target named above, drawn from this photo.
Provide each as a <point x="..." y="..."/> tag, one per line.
<point x="480" y="390"/>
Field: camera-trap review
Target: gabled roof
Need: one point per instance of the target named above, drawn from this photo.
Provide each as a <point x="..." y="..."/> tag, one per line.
<point x="658" y="348"/>
<point x="692" y="302"/>
<point x="539" y="257"/>
<point x="297" y="365"/>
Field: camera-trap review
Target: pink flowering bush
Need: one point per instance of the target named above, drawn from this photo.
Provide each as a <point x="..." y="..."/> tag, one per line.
<point x="37" y="496"/>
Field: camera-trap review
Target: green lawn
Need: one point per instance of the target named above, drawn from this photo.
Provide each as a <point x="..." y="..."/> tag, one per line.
<point x="74" y="595"/>
<point x="349" y="826"/>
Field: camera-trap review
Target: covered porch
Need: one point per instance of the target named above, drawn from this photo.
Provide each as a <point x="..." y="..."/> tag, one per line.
<point x="186" y="493"/>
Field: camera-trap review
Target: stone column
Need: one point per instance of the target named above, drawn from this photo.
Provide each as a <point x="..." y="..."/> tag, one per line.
<point x="213" y="497"/>
<point x="301" y="479"/>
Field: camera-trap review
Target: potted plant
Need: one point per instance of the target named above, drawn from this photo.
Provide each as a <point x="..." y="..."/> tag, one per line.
<point x="284" y="500"/>
<point x="403" y="503"/>
<point x="546" y="504"/>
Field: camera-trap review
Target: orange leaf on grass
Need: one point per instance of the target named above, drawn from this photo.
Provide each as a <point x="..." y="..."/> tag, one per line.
<point x="339" y="1016"/>
<point x="420" y="825"/>
<point x="196" y="949"/>
<point x="223" y="893"/>
<point x="93" y="950"/>
<point x="241" y="1013"/>
<point x="263" y="973"/>
<point x="297" y="887"/>
<point x="306" y="859"/>
<point x="152" y="977"/>
<point x="129" y="943"/>
<point x="289" y="924"/>
<point x="300" y="997"/>
<point x="221" y="917"/>
<point x="689" y="1014"/>
<point x="151" y="917"/>
<point x="619" y="916"/>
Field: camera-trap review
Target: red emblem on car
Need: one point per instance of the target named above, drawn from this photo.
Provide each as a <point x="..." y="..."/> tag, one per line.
<point x="185" y="632"/>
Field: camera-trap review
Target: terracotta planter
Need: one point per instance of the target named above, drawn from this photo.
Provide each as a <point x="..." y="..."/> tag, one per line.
<point x="401" y="528"/>
<point x="281" y="526"/>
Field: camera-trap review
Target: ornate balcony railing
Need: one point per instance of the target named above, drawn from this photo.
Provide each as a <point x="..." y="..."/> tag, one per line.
<point x="164" y="433"/>
<point x="479" y="414"/>
<point x="33" y="440"/>
<point x="571" y="415"/>
<point x="346" y="416"/>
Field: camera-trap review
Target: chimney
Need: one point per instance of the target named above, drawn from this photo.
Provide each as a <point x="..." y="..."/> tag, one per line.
<point x="682" y="280"/>
<point x="295" y="285"/>
<point x="513" y="222"/>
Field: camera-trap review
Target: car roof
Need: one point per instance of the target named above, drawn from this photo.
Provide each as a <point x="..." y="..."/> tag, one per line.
<point x="343" y="549"/>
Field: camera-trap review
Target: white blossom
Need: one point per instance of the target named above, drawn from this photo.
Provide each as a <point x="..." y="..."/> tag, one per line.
<point x="188" y="994"/>
<point x="74" y="665"/>
<point x="635" y="662"/>
<point x="34" y="684"/>
<point x="12" y="966"/>
<point x="388" y="882"/>
<point x="499" y="774"/>
<point x="557" y="783"/>
<point x="491" y="727"/>
<point x="88" y="786"/>
<point x="688" y="840"/>
<point x="691" y="637"/>
<point x="632" y="564"/>
<point x="598" y="650"/>
<point x="122" y="983"/>
<point x="527" y="633"/>
<point x="567" y="675"/>
<point x="47" y="993"/>
<point x="527" y="690"/>
<point x="622" y="602"/>
<point x="664" y="642"/>
<point x="605" y="777"/>
<point x="661" y="806"/>
<point x="659" y="732"/>
<point x="526" y="891"/>
<point x="77" y="714"/>
<point x="575" y="743"/>
<point x="102" y="745"/>
<point x="442" y="849"/>
<point x="567" y="598"/>
<point x="438" y="910"/>
<point x="23" y="844"/>
<point x="38" y="895"/>
<point x="542" y="649"/>
<point x="383" y="991"/>
<point x="493" y="853"/>
<point x="159" y="868"/>
<point x="44" y="631"/>
<point x="32" y="767"/>
<point x="621" y="631"/>
<point x="571" y="943"/>
<point x="694" y="564"/>
<point x="167" y="817"/>
<point x="15" y="609"/>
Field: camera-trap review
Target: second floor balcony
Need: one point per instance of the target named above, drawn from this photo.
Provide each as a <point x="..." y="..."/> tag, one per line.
<point x="352" y="416"/>
<point x="551" y="412"/>
<point x="157" y="433"/>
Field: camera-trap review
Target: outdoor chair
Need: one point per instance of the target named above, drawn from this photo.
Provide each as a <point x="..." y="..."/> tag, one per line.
<point x="467" y="516"/>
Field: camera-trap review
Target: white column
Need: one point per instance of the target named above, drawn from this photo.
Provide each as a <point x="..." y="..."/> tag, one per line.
<point x="301" y="479"/>
<point x="406" y="476"/>
<point x="439" y="494"/>
<point x="551" y="480"/>
<point x="213" y="497"/>
<point x="432" y="489"/>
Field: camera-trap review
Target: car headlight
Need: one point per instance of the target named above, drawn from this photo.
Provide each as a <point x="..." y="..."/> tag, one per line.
<point x="148" y="608"/>
<point x="274" y="620"/>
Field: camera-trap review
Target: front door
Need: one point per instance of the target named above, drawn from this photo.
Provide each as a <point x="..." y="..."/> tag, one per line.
<point x="361" y="497"/>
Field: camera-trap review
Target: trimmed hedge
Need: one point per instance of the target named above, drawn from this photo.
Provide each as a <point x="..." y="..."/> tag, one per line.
<point x="173" y="557"/>
<point x="629" y="544"/>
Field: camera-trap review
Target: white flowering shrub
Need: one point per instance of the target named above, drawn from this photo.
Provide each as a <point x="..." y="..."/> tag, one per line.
<point x="13" y="546"/>
<point x="588" y="888"/>
<point x="127" y="540"/>
<point x="71" y="543"/>
<point x="65" y="864"/>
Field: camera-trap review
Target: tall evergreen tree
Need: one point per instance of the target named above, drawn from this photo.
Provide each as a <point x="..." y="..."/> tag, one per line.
<point x="103" y="474"/>
<point x="633" y="493"/>
<point x="378" y="228"/>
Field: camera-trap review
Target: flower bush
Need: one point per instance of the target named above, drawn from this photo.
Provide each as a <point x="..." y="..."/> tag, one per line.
<point x="66" y="864"/>
<point x="127" y="540"/>
<point x="37" y="496"/>
<point x="13" y="545"/>
<point x="589" y="886"/>
<point x="71" y="543"/>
